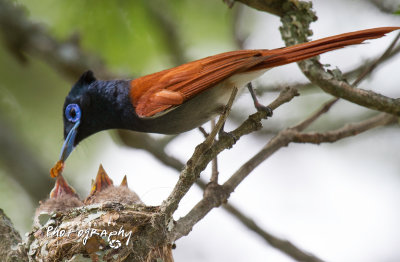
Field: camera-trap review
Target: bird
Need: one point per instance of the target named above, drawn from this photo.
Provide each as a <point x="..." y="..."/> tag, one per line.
<point x="182" y="98"/>
<point x="61" y="199"/>
<point x="103" y="190"/>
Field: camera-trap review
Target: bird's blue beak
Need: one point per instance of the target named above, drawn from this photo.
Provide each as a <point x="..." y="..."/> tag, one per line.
<point x="68" y="145"/>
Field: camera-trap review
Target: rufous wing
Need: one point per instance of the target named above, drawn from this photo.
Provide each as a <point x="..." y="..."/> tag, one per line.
<point x="160" y="91"/>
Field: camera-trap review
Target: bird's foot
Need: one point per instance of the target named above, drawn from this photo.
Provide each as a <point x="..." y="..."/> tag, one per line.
<point x="262" y="108"/>
<point x="257" y="105"/>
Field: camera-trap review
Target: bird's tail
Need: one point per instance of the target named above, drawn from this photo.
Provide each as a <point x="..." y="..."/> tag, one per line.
<point x="286" y="55"/>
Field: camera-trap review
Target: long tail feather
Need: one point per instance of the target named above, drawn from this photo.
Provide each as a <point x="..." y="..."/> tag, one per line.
<point x="286" y="55"/>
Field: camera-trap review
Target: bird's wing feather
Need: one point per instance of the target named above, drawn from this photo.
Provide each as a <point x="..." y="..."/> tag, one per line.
<point x="158" y="92"/>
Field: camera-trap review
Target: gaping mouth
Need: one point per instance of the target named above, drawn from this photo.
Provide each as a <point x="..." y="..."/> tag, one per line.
<point x="69" y="142"/>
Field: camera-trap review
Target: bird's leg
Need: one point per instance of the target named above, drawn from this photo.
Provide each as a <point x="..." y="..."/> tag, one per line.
<point x="219" y="126"/>
<point x="203" y="131"/>
<point x="222" y="133"/>
<point x="257" y="104"/>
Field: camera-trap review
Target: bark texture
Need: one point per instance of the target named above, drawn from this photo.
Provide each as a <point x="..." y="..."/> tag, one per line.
<point x="10" y="248"/>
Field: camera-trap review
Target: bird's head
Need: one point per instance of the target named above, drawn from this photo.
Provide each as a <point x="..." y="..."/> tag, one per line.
<point x="76" y="114"/>
<point x="94" y="105"/>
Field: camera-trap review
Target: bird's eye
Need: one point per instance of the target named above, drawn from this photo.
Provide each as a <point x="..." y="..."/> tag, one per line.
<point x="73" y="113"/>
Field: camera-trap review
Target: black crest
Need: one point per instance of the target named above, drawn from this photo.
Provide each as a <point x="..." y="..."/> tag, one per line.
<point x="81" y="85"/>
<point x="86" y="78"/>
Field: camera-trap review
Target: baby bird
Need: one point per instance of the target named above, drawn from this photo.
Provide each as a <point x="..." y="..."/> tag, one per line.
<point x="103" y="190"/>
<point x="62" y="198"/>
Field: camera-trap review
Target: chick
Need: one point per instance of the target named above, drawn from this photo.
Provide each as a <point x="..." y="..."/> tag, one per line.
<point x="62" y="198"/>
<point x="103" y="190"/>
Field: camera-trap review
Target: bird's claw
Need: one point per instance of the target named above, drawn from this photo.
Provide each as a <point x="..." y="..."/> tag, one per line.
<point x="262" y="108"/>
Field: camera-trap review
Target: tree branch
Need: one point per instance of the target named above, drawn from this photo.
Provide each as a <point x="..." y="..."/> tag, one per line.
<point x="191" y="171"/>
<point x="201" y="157"/>
<point x="214" y="162"/>
<point x="332" y="83"/>
<point x="283" y="245"/>
<point x="22" y="36"/>
<point x="10" y="250"/>
<point x="346" y="131"/>
<point x="216" y="197"/>
<point x="276" y="7"/>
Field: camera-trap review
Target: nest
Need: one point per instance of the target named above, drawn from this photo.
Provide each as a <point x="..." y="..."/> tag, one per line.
<point x="99" y="232"/>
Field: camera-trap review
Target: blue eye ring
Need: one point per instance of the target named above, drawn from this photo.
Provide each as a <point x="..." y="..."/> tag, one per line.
<point x="73" y="113"/>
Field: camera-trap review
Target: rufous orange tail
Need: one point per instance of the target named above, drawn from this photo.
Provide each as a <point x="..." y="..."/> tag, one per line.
<point x="286" y="55"/>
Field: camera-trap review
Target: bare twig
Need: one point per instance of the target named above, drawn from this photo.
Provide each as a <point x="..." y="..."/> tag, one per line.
<point x="200" y="159"/>
<point x="275" y="7"/>
<point x="378" y="61"/>
<point x="284" y="245"/>
<point x="192" y="171"/>
<point x="185" y="224"/>
<point x="214" y="163"/>
<point x="308" y="121"/>
<point x="348" y="130"/>
<point x="203" y="131"/>
<point x="188" y="175"/>
<point x="367" y="63"/>
<point x="221" y="121"/>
